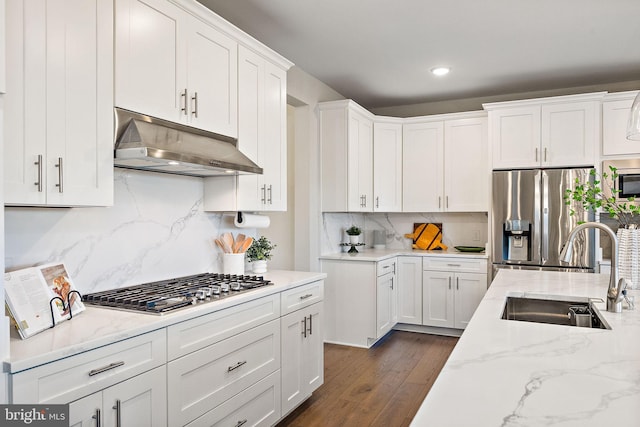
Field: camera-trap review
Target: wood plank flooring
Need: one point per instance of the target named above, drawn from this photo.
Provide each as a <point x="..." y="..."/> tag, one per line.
<point x="383" y="386"/>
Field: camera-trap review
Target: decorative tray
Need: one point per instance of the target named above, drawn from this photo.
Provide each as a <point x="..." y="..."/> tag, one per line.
<point x="469" y="248"/>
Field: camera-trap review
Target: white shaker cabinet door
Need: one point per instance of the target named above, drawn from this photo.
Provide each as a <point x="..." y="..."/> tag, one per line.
<point x="466" y="165"/>
<point x="149" y="75"/>
<point x="140" y="401"/>
<point x="410" y="290"/>
<point x="387" y="167"/>
<point x="469" y="291"/>
<point x="515" y="137"/>
<point x="437" y="299"/>
<point x="212" y="79"/>
<point x="615" y="115"/>
<point x="422" y="167"/>
<point x="360" y="164"/>
<point x="569" y="133"/>
<point x="58" y="111"/>
<point x="86" y="412"/>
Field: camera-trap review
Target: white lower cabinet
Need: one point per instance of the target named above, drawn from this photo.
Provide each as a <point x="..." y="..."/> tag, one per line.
<point x="302" y="355"/>
<point x="451" y="291"/>
<point x="410" y="290"/>
<point x="229" y="366"/>
<point x="360" y="300"/>
<point x="139" y="401"/>
<point x="259" y="405"/>
<point x="248" y="364"/>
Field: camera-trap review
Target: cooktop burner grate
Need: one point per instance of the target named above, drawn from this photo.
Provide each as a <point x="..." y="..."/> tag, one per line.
<point x="168" y="295"/>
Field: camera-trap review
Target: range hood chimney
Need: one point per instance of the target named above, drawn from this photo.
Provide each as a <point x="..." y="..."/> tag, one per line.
<point x="152" y="144"/>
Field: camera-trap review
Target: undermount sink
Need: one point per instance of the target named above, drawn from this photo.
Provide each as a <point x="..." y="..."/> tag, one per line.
<point x="568" y="311"/>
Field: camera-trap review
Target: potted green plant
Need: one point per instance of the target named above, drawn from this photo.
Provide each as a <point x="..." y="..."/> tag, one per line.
<point x="599" y="194"/>
<point x="354" y="234"/>
<point x="259" y="252"/>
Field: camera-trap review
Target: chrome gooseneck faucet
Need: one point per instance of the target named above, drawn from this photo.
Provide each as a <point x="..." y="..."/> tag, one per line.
<point x="614" y="293"/>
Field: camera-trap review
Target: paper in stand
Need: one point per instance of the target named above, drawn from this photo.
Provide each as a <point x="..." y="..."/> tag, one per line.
<point x="244" y="220"/>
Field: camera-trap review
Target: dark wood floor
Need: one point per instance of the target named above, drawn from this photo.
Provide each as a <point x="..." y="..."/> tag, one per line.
<point x="383" y="386"/>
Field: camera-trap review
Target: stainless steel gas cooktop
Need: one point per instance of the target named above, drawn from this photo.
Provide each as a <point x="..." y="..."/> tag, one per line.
<point x="166" y="296"/>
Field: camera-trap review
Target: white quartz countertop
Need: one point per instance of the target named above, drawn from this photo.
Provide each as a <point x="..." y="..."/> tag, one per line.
<point x="510" y="373"/>
<point x="96" y="327"/>
<point x="382" y="254"/>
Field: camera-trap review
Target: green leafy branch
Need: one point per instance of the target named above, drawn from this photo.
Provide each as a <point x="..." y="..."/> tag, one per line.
<point x="590" y="196"/>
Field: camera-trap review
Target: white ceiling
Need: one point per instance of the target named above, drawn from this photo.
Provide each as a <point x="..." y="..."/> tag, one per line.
<point x="379" y="52"/>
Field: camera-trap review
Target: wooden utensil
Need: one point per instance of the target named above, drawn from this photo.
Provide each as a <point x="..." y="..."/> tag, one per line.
<point x="245" y="244"/>
<point x="220" y="244"/>
<point x="227" y="239"/>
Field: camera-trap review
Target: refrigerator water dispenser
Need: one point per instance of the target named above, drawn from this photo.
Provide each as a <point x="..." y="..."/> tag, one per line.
<point x="517" y="234"/>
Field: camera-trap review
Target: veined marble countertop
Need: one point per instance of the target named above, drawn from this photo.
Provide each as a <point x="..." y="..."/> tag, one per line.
<point x="96" y="327"/>
<point x="510" y="373"/>
<point x="369" y="254"/>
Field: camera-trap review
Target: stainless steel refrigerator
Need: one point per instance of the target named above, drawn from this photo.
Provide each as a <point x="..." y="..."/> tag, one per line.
<point x="531" y="220"/>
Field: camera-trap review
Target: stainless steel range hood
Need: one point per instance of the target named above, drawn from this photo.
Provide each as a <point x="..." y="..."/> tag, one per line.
<point x="152" y="144"/>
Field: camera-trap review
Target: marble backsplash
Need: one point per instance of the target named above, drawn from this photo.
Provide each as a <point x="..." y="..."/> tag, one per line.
<point x="156" y="229"/>
<point x="468" y="229"/>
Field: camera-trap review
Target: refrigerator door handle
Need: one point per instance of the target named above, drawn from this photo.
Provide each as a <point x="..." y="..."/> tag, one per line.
<point x="545" y="217"/>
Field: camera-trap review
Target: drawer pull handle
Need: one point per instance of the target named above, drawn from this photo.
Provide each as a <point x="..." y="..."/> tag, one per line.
<point x="304" y="327"/>
<point x="310" y="325"/>
<point x="97" y="417"/>
<point x="236" y="366"/>
<point x="105" y="368"/>
<point x="306" y="296"/>
<point x="241" y="423"/>
<point x="454" y="265"/>
<point x="386" y="266"/>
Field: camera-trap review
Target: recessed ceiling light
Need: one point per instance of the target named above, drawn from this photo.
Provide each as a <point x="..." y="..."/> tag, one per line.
<point x="173" y="163"/>
<point x="440" y="71"/>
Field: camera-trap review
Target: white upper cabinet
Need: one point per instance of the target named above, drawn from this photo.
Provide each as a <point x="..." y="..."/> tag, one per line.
<point x="615" y="115"/>
<point x="262" y="133"/>
<point x="387" y="165"/>
<point x="172" y="65"/>
<point x="422" y="166"/>
<point x="445" y="164"/>
<point x="466" y="165"/>
<point x="346" y="141"/>
<point x="58" y="129"/>
<point x="546" y="132"/>
<point x="262" y="136"/>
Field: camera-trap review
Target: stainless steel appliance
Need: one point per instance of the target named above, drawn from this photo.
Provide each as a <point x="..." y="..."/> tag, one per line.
<point x="627" y="183"/>
<point x="531" y="220"/>
<point x="156" y="145"/>
<point x="166" y="296"/>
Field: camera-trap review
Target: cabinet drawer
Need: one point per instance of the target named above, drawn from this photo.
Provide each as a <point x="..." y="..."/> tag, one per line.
<point x="259" y="405"/>
<point x="385" y="267"/>
<point x="302" y="296"/>
<point x="71" y="378"/>
<point x="206" y="378"/>
<point x="194" y="334"/>
<point x="454" y="264"/>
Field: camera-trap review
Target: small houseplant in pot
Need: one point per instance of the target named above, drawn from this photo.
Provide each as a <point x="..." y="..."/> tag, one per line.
<point x="354" y="234"/>
<point x="258" y="254"/>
